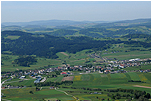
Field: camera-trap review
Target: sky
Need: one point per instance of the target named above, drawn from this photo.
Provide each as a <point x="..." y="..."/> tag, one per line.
<point x="26" y="11"/>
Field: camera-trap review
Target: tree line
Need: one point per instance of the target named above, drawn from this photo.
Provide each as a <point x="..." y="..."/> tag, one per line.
<point x="55" y="84"/>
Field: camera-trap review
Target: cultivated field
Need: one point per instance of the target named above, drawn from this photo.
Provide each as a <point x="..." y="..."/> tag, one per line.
<point x="119" y="80"/>
<point x="92" y="80"/>
<point x="69" y="78"/>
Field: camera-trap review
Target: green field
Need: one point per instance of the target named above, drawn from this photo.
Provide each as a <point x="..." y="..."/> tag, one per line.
<point x="29" y="82"/>
<point x="44" y="94"/>
<point x="128" y="55"/>
<point x="94" y="80"/>
<point x="118" y="80"/>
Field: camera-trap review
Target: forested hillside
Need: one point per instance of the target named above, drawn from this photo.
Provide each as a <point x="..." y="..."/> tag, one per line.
<point x="45" y="45"/>
<point x="90" y="29"/>
<point x="22" y="43"/>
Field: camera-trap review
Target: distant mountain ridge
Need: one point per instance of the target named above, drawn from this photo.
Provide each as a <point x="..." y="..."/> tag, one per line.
<point x="50" y="23"/>
<point x="68" y="22"/>
<point x="95" y="29"/>
<point x="125" y="23"/>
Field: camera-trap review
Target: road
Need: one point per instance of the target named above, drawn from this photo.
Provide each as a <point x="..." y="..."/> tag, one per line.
<point x="3" y="82"/>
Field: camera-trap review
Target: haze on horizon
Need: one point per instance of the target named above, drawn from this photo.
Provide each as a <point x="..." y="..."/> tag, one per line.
<point x="26" y="11"/>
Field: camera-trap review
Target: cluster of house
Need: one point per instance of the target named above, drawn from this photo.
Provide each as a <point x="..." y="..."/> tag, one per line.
<point x="109" y="68"/>
<point x="129" y="63"/>
<point x="124" y="64"/>
<point x="110" y="65"/>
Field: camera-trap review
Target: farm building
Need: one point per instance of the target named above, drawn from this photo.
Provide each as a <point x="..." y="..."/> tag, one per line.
<point x="39" y="76"/>
<point x="137" y="59"/>
<point x="22" y="77"/>
<point x="107" y="71"/>
<point x="66" y="73"/>
<point x="52" y="87"/>
<point x="13" y="87"/>
<point x="37" y="80"/>
<point x="122" y="65"/>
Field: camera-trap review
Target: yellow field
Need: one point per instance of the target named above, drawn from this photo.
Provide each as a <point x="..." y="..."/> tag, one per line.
<point x="124" y="76"/>
<point x="142" y="77"/>
<point x="77" y="78"/>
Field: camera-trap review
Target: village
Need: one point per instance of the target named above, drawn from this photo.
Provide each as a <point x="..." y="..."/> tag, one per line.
<point x="111" y="67"/>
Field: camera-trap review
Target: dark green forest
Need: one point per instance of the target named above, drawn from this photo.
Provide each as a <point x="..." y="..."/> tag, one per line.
<point x="25" y="61"/>
<point x="47" y="45"/>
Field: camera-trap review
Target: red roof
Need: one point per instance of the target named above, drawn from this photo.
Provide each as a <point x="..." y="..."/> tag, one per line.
<point x="122" y="65"/>
<point x="63" y="73"/>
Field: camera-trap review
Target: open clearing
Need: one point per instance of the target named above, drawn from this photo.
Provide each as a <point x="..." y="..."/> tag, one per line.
<point x="12" y="37"/>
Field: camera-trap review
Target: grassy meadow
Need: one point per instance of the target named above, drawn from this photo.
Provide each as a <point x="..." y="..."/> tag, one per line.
<point x="44" y="94"/>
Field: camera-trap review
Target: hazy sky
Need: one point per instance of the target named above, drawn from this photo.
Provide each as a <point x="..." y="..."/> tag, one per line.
<point x="24" y="11"/>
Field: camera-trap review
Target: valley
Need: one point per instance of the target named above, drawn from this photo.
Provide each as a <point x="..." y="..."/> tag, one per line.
<point x="109" y="61"/>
